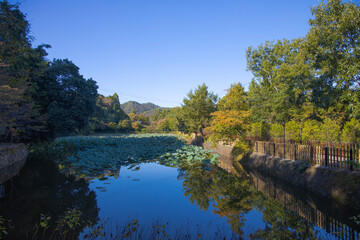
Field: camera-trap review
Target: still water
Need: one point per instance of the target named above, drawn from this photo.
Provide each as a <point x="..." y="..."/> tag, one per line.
<point x="193" y="202"/>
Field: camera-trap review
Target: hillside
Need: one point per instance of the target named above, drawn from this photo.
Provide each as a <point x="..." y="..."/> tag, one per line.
<point x="108" y="109"/>
<point x="108" y="114"/>
<point x="139" y="107"/>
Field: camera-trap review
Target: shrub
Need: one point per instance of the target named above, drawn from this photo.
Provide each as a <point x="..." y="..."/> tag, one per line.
<point x="293" y="131"/>
<point x="351" y="132"/>
<point x="311" y="130"/>
<point x="330" y="131"/>
<point x="277" y="131"/>
<point x="260" y="130"/>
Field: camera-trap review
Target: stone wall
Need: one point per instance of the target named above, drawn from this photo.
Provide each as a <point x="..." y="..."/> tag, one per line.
<point x="341" y="185"/>
<point x="223" y="150"/>
<point x="12" y="158"/>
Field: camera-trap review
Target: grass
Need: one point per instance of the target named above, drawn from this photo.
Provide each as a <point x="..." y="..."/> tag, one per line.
<point x="70" y="226"/>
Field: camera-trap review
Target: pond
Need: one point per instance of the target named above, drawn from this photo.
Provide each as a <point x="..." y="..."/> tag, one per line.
<point x="157" y="187"/>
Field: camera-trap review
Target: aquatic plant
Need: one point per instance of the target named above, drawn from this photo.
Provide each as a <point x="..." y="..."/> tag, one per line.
<point x="97" y="155"/>
<point x="3" y="228"/>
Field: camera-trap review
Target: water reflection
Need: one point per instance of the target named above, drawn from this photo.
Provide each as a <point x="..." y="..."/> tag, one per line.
<point x="42" y="189"/>
<point x="321" y="212"/>
<point x="149" y="191"/>
<point x="288" y="212"/>
<point x="10" y="171"/>
<point x="229" y="196"/>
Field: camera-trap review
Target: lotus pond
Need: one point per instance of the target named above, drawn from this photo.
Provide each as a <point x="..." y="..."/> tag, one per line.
<point x="155" y="186"/>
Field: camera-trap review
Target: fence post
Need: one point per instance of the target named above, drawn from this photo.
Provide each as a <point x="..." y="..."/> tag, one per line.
<point x="351" y="160"/>
<point x="257" y="148"/>
<point x="274" y="148"/>
<point x="326" y="156"/>
<point x="295" y="146"/>
<point x="312" y="154"/>
<point x="264" y="148"/>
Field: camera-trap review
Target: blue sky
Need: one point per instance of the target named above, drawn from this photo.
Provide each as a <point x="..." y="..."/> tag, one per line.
<point x="158" y="50"/>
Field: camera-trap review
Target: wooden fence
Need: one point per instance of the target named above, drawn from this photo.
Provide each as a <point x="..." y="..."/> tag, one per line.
<point x="337" y="155"/>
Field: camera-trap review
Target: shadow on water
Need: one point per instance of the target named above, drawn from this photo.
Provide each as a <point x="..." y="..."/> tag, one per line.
<point x="301" y="211"/>
<point x="42" y="189"/>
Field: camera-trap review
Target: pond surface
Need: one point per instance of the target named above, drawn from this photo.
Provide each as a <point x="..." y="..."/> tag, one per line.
<point x="153" y="199"/>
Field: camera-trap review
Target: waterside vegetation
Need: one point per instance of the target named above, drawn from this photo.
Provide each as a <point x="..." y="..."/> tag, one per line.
<point x="308" y="86"/>
<point x="304" y="89"/>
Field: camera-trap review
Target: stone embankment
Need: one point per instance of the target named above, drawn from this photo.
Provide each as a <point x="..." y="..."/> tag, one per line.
<point x="341" y="185"/>
<point x="12" y="159"/>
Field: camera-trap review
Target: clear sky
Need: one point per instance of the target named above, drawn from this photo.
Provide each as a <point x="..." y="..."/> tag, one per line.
<point x="158" y="50"/>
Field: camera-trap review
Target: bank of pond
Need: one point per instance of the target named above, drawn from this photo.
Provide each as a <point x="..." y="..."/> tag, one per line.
<point x="155" y="186"/>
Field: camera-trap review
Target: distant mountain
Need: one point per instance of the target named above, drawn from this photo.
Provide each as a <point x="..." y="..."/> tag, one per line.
<point x="145" y="108"/>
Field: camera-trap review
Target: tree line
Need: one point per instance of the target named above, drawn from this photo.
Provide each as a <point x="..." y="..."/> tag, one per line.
<point x="304" y="89"/>
<point x="42" y="99"/>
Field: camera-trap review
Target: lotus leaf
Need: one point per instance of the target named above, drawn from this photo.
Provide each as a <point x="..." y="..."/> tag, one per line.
<point x="98" y="155"/>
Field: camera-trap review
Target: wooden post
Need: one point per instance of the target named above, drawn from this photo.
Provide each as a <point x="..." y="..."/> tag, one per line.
<point x="295" y="152"/>
<point x="264" y="148"/>
<point x="327" y="223"/>
<point x="274" y="149"/>
<point x="257" y="148"/>
<point x="311" y="154"/>
<point x="326" y="156"/>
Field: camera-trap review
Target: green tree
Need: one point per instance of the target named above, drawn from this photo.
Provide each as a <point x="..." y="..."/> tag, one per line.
<point x="330" y="130"/>
<point x="351" y="132"/>
<point x="71" y="99"/>
<point x="235" y="99"/>
<point x="160" y="113"/>
<point x="281" y="72"/>
<point x="293" y="131"/>
<point x="260" y="130"/>
<point x="311" y="130"/>
<point x="20" y="67"/>
<point x="333" y="44"/>
<point x="169" y="119"/>
<point x="197" y="108"/>
<point x="108" y="110"/>
<point x="126" y="124"/>
<point x="277" y="131"/>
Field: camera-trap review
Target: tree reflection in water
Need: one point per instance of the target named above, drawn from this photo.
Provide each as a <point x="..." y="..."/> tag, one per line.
<point x="42" y="189"/>
<point x="232" y="195"/>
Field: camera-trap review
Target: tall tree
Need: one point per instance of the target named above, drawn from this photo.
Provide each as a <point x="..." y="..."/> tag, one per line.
<point x="20" y="65"/>
<point x="197" y="108"/>
<point x="281" y="76"/>
<point x="333" y="43"/>
<point x="70" y="98"/>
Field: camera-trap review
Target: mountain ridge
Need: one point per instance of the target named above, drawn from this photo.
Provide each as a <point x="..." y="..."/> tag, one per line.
<point x="140" y="108"/>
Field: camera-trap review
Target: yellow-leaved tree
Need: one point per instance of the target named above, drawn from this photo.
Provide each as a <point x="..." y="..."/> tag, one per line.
<point x="232" y="120"/>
